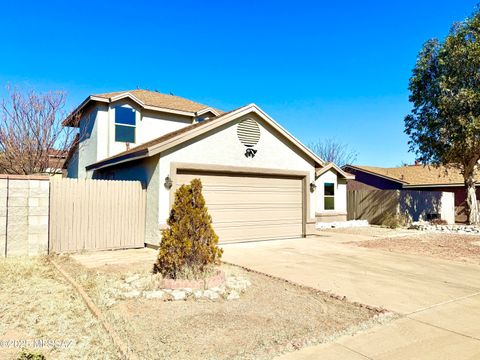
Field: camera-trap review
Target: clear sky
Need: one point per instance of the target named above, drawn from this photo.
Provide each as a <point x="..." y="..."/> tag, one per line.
<point x="322" y="69"/>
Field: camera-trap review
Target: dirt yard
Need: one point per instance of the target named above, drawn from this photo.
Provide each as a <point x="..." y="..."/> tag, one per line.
<point x="37" y="305"/>
<point x="456" y="247"/>
<point x="375" y="231"/>
<point x="269" y="318"/>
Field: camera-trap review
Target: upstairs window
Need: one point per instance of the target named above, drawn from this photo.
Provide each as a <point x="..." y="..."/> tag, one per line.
<point x="125" y="122"/>
<point x="329" y="196"/>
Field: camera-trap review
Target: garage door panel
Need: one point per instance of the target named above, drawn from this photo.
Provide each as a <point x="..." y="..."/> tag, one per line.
<point x="251" y="214"/>
<point x="245" y="197"/>
<point x="241" y="233"/>
<point x="251" y="207"/>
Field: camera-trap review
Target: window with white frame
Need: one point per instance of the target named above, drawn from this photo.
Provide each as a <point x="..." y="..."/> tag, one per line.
<point x="329" y="196"/>
<point x="125" y="122"/>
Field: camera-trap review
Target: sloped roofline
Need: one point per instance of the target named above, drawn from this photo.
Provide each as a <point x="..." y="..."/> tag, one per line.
<point x="72" y="120"/>
<point x="166" y="142"/>
<point x="339" y="170"/>
<point x="377" y="174"/>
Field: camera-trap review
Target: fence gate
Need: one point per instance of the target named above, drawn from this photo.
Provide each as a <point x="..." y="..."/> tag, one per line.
<point x="96" y="215"/>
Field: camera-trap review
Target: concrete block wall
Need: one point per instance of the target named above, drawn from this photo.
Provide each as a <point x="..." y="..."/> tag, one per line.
<point x="24" y="212"/>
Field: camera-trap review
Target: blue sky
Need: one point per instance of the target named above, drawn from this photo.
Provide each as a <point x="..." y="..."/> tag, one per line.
<point x="322" y="69"/>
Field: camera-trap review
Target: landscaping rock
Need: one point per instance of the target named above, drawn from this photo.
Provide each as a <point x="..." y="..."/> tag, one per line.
<point x="342" y="224"/>
<point x="157" y="294"/>
<point x="211" y="295"/>
<point x="131" y="294"/>
<point x="132" y="278"/>
<point x="178" y="295"/>
<point x="198" y="294"/>
<point x="452" y="229"/>
<point x="233" y="295"/>
<point x="238" y="284"/>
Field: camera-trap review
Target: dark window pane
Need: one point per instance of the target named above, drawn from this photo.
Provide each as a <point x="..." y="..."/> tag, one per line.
<point x="329" y="203"/>
<point x="124" y="115"/>
<point x="329" y="189"/>
<point x="124" y="133"/>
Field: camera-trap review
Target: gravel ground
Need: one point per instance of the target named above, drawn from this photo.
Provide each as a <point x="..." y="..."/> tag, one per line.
<point x="456" y="247"/>
<point x="376" y="231"/>
<point x="271" y="317"/>
<point x="37" y="303"/>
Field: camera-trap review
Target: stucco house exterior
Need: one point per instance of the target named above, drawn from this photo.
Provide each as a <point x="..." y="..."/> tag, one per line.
<point x="413" y="177"/>
<point x="259" y="181"/>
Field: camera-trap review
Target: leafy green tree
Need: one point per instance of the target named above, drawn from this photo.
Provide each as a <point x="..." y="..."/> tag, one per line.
<point x="189" y="242"/>
<point x="444" y="125"/>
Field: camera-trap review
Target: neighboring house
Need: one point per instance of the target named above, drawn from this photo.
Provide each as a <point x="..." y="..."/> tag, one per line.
<point x="413" y="177"/>
<point x="259" y="181"/>
<point x="56" y="162"/>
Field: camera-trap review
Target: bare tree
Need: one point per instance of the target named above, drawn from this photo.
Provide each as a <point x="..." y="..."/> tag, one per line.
<point x="332" y="150"/>
<point x="32" y="138"/>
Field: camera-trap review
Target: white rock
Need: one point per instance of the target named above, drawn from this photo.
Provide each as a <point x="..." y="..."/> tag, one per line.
<point x="233" y="295"/>
<point x="132" y="278"/>
<point x="156" y="294"/>
<point x="197" y="294"/>
<point x="131" y="294"/>
<point x="179" y="295"/>
<point x="212" y="295"/>
<point x="343" y="224"/>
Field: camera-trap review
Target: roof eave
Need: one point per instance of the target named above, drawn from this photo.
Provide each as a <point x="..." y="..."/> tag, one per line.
<point x="140" y="154"/>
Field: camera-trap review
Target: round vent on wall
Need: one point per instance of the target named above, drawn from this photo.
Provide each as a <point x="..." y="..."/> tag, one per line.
<point x="248" y="132"/>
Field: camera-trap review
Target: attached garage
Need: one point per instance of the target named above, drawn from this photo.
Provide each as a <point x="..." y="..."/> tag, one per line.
<point x="248" y="207"/>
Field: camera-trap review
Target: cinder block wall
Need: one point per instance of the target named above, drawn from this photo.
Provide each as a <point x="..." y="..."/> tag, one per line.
<point x="24" y="211"/>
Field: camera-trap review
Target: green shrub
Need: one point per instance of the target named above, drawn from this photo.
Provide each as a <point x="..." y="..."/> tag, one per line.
<point x="29" y="355"/>
<point x="189" y="244"/>
<point x="394" y="221"/>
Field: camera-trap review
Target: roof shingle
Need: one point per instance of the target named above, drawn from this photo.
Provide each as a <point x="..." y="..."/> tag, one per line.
<point x="418" y="174"/>
<point x="154" y="98"/>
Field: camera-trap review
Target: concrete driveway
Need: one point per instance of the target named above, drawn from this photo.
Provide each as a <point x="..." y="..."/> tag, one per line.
<point x="438" y="300"/>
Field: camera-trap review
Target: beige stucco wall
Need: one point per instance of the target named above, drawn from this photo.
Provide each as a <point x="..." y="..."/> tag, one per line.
<point x="97" y="130"/>
<point x="340" y="194"/>
<point x="223" y="148"/>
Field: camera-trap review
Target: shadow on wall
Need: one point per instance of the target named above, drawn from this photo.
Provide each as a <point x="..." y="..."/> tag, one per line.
<point x="421" y="205"/>
<point x="372" y="205"/>
<point x="376" y="205"/>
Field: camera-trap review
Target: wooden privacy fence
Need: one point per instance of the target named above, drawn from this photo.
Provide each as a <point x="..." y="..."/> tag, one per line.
<point x="96" y="215"/>
<point x="375" y="205"/>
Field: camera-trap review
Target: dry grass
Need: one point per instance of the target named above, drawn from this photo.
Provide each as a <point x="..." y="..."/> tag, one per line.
<point x="271" y="317"/>
<point x="36" y="303"/>
<point x="456" y="247"/>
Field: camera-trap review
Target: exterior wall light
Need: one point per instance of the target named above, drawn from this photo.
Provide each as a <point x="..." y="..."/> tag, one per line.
<point x="313" y="186"/>
<point x="168" y="182"/>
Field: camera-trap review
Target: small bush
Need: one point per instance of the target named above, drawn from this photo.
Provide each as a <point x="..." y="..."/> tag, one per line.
<point x="394" y="221"/>
<point x="438" y="222"/>
<point x="189" y="245"/>
<point x="29" y="355"/>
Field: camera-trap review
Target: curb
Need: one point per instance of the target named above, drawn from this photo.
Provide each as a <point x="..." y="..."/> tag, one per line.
<point x="127" y="353"/>
<point x="378" y="310"/>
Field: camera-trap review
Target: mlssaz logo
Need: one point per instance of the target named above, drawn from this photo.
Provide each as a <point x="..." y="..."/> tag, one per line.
<point x="250" y="152"/>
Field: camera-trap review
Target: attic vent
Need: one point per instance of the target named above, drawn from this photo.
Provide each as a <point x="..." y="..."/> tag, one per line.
<point x="248" y="132"/>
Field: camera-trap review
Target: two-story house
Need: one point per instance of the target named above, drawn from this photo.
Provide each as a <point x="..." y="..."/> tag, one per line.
<point x="259" y="181"/>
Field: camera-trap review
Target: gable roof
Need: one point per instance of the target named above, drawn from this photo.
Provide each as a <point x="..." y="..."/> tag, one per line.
<point x="416" y="175"/>
<point x="174" y="138"/>
<point x="332" y="166"/>
<point x="150" y="100"/>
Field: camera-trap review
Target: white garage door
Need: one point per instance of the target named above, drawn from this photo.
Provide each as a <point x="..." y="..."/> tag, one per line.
<point x="251" y="207"/>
